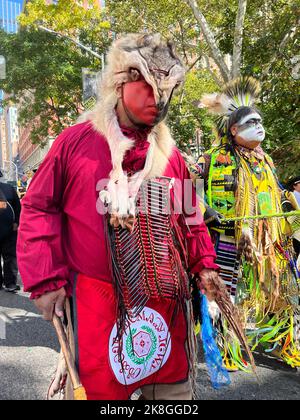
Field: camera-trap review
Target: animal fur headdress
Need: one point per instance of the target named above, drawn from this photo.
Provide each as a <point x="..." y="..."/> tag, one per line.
<point x="240" y="92"/>
<point x="158" y="63"/>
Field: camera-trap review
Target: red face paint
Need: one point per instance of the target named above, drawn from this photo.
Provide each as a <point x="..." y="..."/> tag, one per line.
<point x="139" y="102"/>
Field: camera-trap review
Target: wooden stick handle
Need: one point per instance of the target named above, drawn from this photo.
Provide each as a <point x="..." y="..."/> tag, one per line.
<point x="63" y="341"/>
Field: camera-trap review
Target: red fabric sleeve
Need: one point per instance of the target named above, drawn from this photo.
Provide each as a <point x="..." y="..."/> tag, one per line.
<point x="39" y="249"/>
<point x="201" y="252"/>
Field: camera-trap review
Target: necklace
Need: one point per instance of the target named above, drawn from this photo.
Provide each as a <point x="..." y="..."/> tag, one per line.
<point x="253" y="160"/>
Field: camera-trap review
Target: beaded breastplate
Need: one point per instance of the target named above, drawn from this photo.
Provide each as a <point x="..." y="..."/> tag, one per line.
<point x="147" y="261"/>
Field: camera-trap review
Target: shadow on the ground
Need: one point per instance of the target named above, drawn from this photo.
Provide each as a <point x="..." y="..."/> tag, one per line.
<point x="26" y="328"/>
<point x="18" y="301"/>
<point x="271" y="386"/>
<point x="28" y="386"/>
<point x="276" y="381"/>
<point x="268" y="361"/>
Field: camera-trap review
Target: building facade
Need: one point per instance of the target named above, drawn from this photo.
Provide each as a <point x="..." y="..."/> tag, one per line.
<point x="12" y="132"/>
<point x="9" y="132"/>
<point x="31" y="155"/>
<point x="9" y="11"/>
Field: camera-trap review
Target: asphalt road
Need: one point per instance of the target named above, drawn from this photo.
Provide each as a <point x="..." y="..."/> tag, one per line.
<point x="29" y="353"/>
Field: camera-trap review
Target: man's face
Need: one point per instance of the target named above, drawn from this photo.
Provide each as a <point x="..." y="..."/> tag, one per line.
<point x="249" y="131"/>
<point x="139" y="102"/>
<point x="147" y="86"/>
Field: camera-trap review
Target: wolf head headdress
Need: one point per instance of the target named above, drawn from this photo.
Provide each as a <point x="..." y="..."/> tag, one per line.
<point x="155" y="59"/>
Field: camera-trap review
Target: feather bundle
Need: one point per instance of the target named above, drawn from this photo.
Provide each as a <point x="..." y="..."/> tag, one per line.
<point x="245" y="248"/>
<point x="231" y="314"/>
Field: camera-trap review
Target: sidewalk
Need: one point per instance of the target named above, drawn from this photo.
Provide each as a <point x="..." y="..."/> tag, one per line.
<point x="28" y="354"/>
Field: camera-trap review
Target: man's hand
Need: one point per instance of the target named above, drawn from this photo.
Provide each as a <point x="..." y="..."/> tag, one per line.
<point x="206" y="283"/>
<point x="15" y="227"/>
<point x="51" y="302"/>
<point x="211" y="216"/>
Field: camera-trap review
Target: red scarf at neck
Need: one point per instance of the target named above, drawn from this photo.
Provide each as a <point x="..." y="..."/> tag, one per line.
<point x="134" y="159"/>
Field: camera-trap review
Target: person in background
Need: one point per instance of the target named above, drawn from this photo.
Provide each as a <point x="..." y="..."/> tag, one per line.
<point x="10" y="209"/>
<point x="30" y="178"/>
<point x="295" y="188"/>
<point x="255" y="253"/>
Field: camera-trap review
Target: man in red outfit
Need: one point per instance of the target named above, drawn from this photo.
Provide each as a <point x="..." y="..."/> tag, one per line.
<point x="62" y="244"/>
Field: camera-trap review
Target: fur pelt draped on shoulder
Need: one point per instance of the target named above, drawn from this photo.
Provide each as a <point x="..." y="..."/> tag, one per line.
<point x="140" y="51"/>
<point x="163" y="140"/>
<point x="155" y="59"/>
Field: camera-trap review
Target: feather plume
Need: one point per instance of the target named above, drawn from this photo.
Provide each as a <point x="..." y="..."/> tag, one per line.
<point x="240" y="92"/>
<point x="215" y="103"/>
<point x="230" y="312"/>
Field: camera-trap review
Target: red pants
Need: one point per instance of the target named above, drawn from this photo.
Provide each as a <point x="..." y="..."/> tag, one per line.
<point x="154" y="345"/>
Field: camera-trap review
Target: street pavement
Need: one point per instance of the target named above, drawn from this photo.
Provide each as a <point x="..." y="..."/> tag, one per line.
<point x="28" y="357"/>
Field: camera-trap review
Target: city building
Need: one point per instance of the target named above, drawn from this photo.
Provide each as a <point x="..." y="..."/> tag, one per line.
<point x="3" y="148"/>
<point x="9" y="132"/>
<point x="9" y="11"/>
<point x="31" y="155"/>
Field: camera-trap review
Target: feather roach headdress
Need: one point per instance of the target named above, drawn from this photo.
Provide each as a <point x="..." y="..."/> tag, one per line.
<point x="238" y="93"/>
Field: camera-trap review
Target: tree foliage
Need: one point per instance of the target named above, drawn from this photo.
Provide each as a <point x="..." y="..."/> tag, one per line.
<point x="43" y="78"/>
<point x="185" y="118"/>
<point x="270" y="42"/>
<point x="44" y="72"/>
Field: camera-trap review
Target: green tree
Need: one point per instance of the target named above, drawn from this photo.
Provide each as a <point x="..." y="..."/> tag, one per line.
<point x="271" y="43"/>
<point x="44" y="71"/>
<point x="69" y="18"/>
<point x="44" y="79"/>
<point x="185" y="118"/>
<point x="260" y="37"/>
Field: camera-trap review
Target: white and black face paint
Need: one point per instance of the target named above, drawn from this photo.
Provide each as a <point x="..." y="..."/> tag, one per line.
<point x="250" y="128"/>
